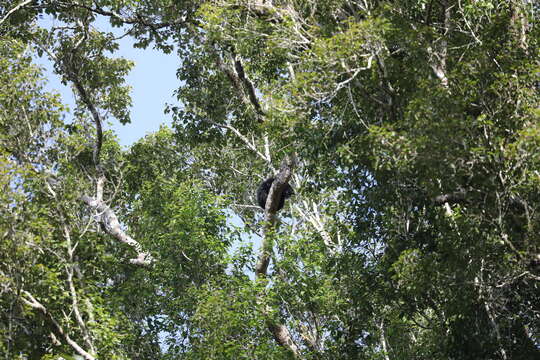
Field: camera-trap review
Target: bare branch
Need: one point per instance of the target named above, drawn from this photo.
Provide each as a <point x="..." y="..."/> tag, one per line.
<point x="283" y="337"/>
<point x="313" y="216"/>
<point x="107" y="217"/>
<point x="111" y="225"/>
<point x="17" y="7"/>
<point x="468" y="24"/>
<point x="74" y="298"/>
<point x="246" y="141"/>
<point x="384" y="344"/>
<point x="31" y="301"/>
<point x="72" y="75"/>
<point x="267" y="151"/>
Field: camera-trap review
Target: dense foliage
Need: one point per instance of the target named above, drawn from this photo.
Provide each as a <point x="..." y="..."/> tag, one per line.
<point x="409" y="131"/>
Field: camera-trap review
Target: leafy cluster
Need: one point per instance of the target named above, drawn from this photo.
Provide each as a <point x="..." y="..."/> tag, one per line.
<point x="414" y="229"/>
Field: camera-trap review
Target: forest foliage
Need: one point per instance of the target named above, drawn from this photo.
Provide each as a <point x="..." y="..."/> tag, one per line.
<point x="409" y="131"/>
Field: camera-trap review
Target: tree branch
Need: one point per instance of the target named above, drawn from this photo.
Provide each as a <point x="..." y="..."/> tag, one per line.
<point x="450" y="198"/>
<point x="483" y="297"/>
<point x="313" y="216"/>
<point x="249" y="144"/>
<point x="35" y="304"/>
<point x="283" y="337"/>
<point x="241" y="83"/>
<point x="71" y="74"/>
<point x="279" y="331"/>
<point x="17" y="7"/>
<point x="272" y="201"/>
<point x="111" y="225"/>
<point x="95" y="115"/>
<point x="130" y="20"/>
<point x="250" y="88"/>
<point x="438" y="56"/>
<point x="74" y="298"/>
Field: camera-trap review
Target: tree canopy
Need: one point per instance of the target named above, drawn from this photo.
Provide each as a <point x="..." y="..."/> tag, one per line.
<point x="408" y="130"/>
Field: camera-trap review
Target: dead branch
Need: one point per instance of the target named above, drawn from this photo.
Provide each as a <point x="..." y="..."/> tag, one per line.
<point x="283" y="337"/>
<point x="107" y="217"/>
<point x="110" y="223"/>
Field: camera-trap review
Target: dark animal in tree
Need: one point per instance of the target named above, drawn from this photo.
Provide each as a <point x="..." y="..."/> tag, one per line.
<point x="534" y="263"/>
<point x="264" y="189"/>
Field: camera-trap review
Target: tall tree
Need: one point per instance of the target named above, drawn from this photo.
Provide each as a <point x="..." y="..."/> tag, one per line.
<point x="408" y="130"/>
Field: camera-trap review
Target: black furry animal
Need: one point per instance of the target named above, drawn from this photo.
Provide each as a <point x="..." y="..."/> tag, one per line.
<point x="264" y="189"/>
<point x="534" y="263"/>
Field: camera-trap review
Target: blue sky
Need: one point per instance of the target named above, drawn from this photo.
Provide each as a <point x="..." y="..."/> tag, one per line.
<point x="153" y="80"/>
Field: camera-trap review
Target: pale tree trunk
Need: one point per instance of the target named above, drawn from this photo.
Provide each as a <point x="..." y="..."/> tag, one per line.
<point x="279" y="331"/>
